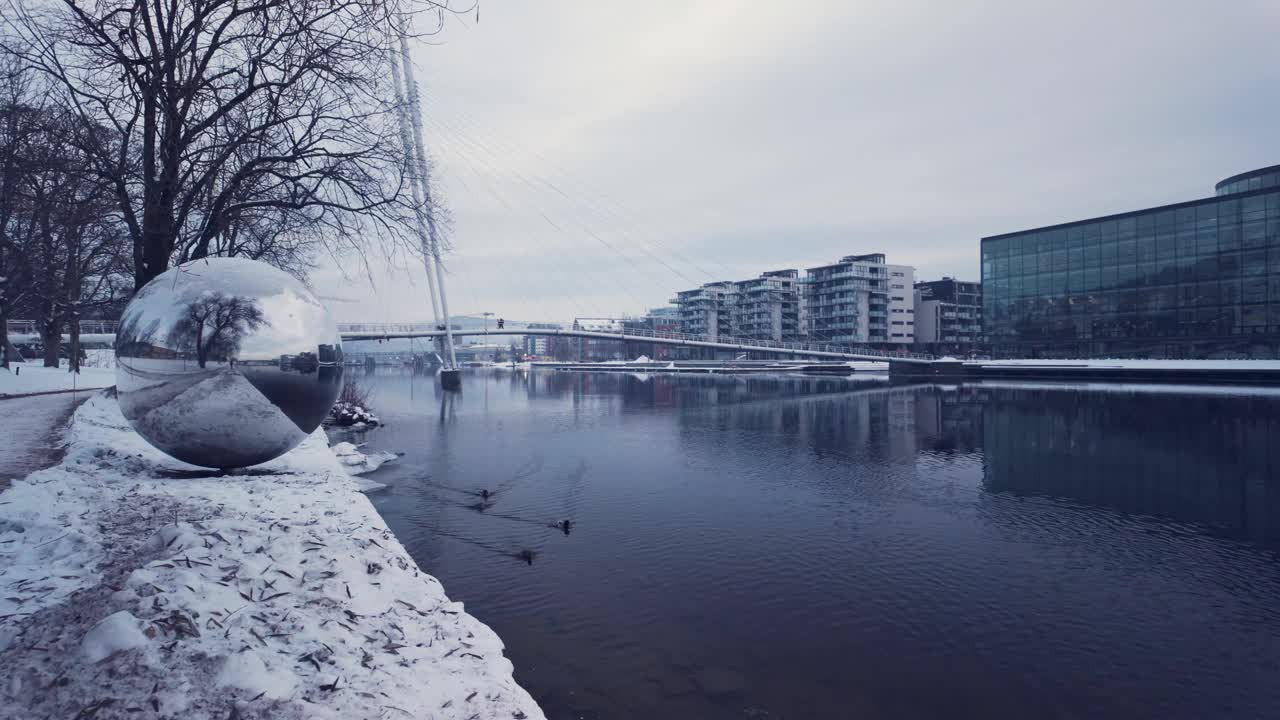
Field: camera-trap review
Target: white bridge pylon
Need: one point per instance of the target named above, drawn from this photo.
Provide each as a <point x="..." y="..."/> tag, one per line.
<point x="830" y="352"/>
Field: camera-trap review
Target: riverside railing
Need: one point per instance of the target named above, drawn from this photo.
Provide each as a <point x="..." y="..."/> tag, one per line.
<point x="87" y="327"/>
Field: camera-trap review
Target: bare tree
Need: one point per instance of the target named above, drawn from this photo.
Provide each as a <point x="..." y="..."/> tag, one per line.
<point x="59" y="239"/>
<point x="19" y="127"/>
<point x="233" y="126"/>
<point x="214" y="324"/>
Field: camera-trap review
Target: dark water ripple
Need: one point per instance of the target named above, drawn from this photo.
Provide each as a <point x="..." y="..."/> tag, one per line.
<point x="813" y="548"/>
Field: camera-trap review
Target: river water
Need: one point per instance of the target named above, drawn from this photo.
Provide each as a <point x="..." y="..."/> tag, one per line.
<point x="791" y="547"/>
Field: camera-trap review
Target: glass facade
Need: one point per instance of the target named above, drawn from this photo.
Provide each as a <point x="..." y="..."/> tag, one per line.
<point x="1197" y="279"/>
<point x="1263" y="179"/>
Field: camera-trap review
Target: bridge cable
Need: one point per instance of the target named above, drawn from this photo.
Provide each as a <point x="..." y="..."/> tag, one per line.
<point x="498" y="259"/>
<point x="587" y="230"/>
<point x="473" y="163"/>
<point x="561" y="230"/>
<point x="605" y="205"/>
<point x="572" y="278"/>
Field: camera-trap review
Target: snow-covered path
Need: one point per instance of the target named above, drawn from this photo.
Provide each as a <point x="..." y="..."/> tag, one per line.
<point x="32" y="432"/>
<point x="27" y="378"/>
<point x="134" y="586"/>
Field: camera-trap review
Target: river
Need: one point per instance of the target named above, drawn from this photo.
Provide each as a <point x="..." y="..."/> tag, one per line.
<point x="791" y="547"/>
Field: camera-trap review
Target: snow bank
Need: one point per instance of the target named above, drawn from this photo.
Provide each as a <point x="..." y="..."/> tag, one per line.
<point x="27" y="378"/>
<point x="99" y="358"/>
<point x="358" y="462"/>
<point x="136" y="586"/>
<point x="866" y="366"/>
<point x="116" y="633"/>
<point x="1140" y="364"/>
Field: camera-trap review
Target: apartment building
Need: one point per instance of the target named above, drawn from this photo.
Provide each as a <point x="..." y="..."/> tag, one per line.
<point x="848" y="301"/>
<point x="768" y="307"/>
<point x="860" y="299"/>
<point x="902" y="305"/>
<point x="949" y="315"/>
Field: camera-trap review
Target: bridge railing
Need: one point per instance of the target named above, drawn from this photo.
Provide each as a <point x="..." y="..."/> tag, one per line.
<point x="632" y="333"/>
<point x="770" y="343"/>
<point x="388" y="327"/>
<point x="87" y="327"/>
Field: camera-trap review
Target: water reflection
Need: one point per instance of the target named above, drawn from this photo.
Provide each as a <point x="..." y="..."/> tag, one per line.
<point x="1196" y="458"/>
<point x="1190" y="457"/>
<point x="817" y="547"/>
<point x="226" y="362"/>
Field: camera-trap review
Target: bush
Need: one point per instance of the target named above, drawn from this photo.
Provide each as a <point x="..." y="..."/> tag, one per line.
<point x="354" y="393"/>
<point x="352" y="407"/>
<point x="348" y="415"/>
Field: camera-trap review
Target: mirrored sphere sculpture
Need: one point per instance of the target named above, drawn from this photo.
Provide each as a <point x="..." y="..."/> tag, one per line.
<point x="226" y="362"/>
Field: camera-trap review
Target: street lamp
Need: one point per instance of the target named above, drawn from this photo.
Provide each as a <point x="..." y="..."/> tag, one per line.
<point x="486" y="315"/>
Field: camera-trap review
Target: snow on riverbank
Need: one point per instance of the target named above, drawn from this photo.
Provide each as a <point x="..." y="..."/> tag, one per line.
<point x="28" y="378"/>
<point x="135" y="586"/>
<point x="1138" y="364"/>
<point x="358" y="462"/>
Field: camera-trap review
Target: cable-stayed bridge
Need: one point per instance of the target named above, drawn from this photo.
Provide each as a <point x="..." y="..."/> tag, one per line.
<point x="389" y="331"/>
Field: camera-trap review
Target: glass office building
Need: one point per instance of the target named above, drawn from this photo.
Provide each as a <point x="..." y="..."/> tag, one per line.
<point x="1198" y="279"/>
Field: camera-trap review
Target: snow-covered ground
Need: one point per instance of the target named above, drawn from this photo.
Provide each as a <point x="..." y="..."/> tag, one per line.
<point x="1131" y="388"/>
<point x="358" y="462"/>
<point x="1141" y="364"/>
<point x="136" y="586"/>
<point x="27" y="378"/>
<point x="100" y="358"/>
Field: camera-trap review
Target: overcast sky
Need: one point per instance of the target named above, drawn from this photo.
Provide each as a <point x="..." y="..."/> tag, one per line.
<point x="599" y="156"/>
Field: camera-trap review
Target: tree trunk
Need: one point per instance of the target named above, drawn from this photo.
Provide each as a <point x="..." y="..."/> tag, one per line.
<point x="157" y="244"/>
<point x="4" y="332"/>
<point x="4" y="312"/>
<point x="51" y="335"/>
<point x="73" y="349"/>
<point x="73" y="302"/>
<point x="202" y="352"/>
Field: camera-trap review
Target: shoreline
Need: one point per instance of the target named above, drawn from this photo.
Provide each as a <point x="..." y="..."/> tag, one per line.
<point x="137" y="586"/>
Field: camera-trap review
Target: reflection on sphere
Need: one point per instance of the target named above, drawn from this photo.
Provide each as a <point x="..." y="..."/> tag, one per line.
<point x="226" y="362"/>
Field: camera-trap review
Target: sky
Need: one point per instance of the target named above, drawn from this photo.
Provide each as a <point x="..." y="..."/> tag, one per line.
<point x="598" y="157"/>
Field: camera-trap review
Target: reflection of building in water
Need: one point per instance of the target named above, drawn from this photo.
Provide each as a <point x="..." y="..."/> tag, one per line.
<point x="1193" y="458"/>
<point x="950" y="419"/>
